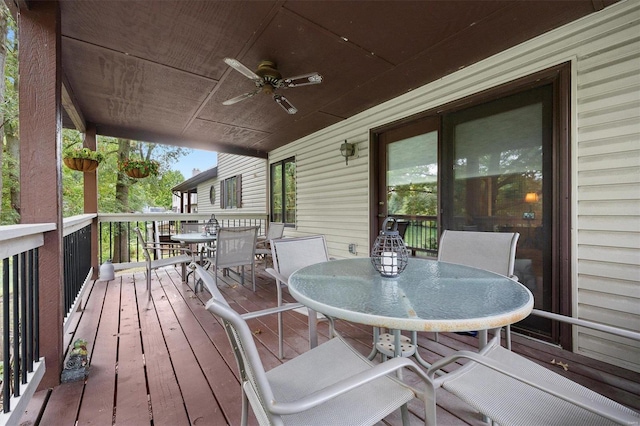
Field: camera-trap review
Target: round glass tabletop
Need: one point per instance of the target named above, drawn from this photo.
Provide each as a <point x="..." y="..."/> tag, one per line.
<point x="427" y="296"/>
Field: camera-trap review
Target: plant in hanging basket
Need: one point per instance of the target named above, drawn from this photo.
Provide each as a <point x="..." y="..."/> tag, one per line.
<point x="82" y="159"/>
<point x="136" y="168"/>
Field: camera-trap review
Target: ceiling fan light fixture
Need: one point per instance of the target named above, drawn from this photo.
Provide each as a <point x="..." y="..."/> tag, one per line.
<point x="285" y="104"/>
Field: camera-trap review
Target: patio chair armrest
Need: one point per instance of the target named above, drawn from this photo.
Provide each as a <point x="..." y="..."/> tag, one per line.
<point x="154" y="246"/>
<point x="166" y="247"/>
<point x="616" y="331"/>
<point x="443" y="362"/>
<point x="277" y="275"/>
<point x="263" y="312"/>
<point x="352" y="382"/>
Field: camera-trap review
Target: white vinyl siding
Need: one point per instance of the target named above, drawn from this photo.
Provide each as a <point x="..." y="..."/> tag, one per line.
<point x="254" y="184"/>
<point x="608" y="187"/>
<point x="604" y="50"/>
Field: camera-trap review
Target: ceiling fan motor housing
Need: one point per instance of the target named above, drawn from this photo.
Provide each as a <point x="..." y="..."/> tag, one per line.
<point x="271" y="76"/>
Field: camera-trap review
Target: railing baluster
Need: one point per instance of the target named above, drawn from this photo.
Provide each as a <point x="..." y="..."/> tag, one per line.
<point x="23" y="317"/>
<point x="6" y="326"/>
<point x="16" y="327"/>
<point x="36" y="302"/>
<point x="30" y="311"/>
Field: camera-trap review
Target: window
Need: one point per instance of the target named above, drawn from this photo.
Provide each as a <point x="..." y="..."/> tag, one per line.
<point x="231" y="192"/>
<point x="283" y="191"/>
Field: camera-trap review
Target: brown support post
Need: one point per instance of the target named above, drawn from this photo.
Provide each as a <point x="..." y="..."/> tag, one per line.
<point x="91" y="196"/>
<point x="40" y="159"/>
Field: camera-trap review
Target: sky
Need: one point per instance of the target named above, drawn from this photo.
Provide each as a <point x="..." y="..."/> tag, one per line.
<point x="203" y="160"/>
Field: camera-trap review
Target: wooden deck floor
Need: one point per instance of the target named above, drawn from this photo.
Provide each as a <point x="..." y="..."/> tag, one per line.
<point x="168" y="361"/>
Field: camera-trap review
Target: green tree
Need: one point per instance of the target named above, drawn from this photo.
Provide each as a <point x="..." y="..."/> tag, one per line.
<point x="9" y="155"/>
<point x="117" y="193"/>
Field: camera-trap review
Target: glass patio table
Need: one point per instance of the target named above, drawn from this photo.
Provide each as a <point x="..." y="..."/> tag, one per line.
<point x="427" y="296"/>
<point x="193" y="238"/>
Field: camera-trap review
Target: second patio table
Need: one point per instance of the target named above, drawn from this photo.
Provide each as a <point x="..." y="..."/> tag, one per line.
<point x="427" y="296"/>
<point x="193" y="238"/>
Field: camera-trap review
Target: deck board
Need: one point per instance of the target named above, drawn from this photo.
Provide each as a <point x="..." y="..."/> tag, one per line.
<point x="199" y="400"/>
<point x="97" y="403"/>
<point x="217" y="372"/>
<point x="164" y="393"/>
<point x="132" y="404"/>
<point x="168" y="361"/>
<point x="63" y="404"/>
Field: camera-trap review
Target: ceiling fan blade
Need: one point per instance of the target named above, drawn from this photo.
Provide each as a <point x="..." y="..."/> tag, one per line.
<point x="302" y="80"/>
<point x="236" y="65"/>
<point x="242" y="97"/>
<point x="285" y="104"/>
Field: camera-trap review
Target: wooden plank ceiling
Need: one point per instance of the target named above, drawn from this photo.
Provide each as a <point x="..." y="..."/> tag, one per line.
<point x="154" y="71"/>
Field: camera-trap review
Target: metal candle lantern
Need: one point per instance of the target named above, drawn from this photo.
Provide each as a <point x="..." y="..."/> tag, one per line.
<point x="389" y="254"/>
<point x="212" y="226"/>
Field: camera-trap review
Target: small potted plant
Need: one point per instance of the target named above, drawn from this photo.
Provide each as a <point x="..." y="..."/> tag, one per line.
<point x="138" y="168"/>
<point x="82" y="159"/>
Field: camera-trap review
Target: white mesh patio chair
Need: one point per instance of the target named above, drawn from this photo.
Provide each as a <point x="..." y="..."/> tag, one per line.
<point x="263" y="246"/>
<point x="331" y="384"/>
<point x="235" y="248"/>
<point x="491" y="251"/>
<point x="289" y="255"/>
<point x="175" y="255"/>
<point x="512" y="390"/>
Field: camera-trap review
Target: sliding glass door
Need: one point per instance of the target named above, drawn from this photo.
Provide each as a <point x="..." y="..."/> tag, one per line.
<point x="498" y="179"/>
<point x="496" y="162"/>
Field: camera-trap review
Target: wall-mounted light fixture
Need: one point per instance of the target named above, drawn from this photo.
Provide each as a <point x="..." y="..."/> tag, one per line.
<point x="347" y="150"/>
<point x="531" y="197"/>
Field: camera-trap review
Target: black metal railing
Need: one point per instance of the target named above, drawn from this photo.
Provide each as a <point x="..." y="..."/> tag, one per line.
<point x="117" y="240"/>
<point x="420" y="234"/>
<point x="77" y="263"/>
<point x="20" y="322"/>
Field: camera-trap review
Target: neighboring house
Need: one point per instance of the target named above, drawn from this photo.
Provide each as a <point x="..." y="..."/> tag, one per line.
<point x="580" y="85"/>
<point x="185" y="194"/>
<point x="239" y="184"/>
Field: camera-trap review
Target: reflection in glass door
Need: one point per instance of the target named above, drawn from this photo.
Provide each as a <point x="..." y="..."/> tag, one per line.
<point x="409" y="184"/>
<point x="498" y="179"/>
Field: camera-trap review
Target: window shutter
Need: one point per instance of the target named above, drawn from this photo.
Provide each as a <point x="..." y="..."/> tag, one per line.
<point x="222" y="195"/>
<point x="239" y="191"/>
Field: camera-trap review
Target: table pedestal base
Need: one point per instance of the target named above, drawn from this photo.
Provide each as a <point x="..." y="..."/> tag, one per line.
<point x="394" y="344"/>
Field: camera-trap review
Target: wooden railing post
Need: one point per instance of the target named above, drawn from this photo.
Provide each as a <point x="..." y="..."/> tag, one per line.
<point x="91" y="196"/>
<point x="40" y="163"/>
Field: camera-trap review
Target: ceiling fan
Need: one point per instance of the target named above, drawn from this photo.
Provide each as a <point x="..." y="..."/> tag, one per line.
<point x="268" y="79"/>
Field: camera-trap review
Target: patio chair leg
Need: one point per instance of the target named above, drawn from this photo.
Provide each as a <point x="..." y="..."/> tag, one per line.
<point x="405" y="415"/>
<point x="313" y="328"/>
<point x="245" y="410"/>
<point x="149" y="284"/>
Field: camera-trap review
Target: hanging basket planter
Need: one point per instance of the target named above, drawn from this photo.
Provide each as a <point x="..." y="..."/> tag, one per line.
<point x="139" y="169"/>
<point x="82" y="159"/>
<point x="81" y="164"/>
<point x="136" y="173"/>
